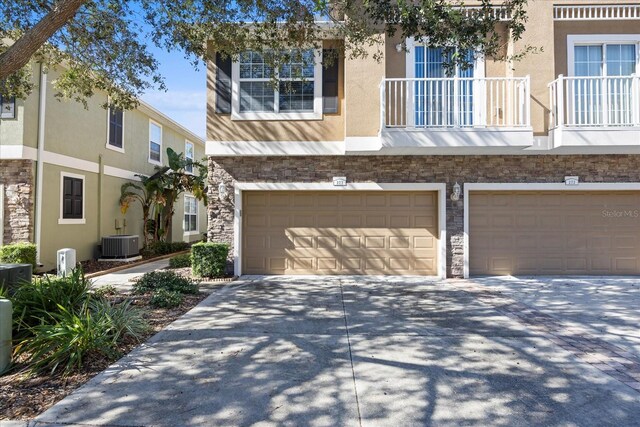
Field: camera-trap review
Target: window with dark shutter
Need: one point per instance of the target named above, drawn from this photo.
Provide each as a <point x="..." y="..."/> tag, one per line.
<point x="223" y="85"/>
<point x="115" y="127"/>
<point x="330" y="83"/>
<point x="72" y="198"/>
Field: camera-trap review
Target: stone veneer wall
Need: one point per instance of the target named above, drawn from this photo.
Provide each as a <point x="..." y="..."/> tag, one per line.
<point x="17" y="179"/>
<point x="405" y="169"/>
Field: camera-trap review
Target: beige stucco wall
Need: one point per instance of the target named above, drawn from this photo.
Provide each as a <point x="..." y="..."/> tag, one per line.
<point x="221" y="128"/>
<point x="81" y="237"/>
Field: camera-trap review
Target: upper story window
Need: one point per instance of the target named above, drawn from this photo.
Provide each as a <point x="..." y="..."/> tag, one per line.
<point x="7" y="107"/>
<point x="116" y="129"/>
<point x="190" y="214"/>
<point x="601" y="87"/>
<point x="155" y="143"/>
<point x="296" y="96"/>
<point x="189" y="156"/>
<point x="71" y="199"/>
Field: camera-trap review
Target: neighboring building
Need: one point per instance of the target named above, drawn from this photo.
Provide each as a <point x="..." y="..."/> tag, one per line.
<point x="403" y="134"/>
<point x="62" y="166"/>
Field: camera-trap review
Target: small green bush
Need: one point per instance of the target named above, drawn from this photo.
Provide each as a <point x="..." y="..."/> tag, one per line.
<point x="167" y="280"/>
<point x="164" y="248"/>
<point x="163" y="298"/>
<point x="64" y="338"/>
<point x="33" y="301"/>
<point x="209" y="259"/>
<point x="19" y="253"/>
<point x="180" y="261"/>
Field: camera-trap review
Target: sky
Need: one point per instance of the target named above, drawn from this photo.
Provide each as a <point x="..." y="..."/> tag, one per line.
<point x="185" y="98"/>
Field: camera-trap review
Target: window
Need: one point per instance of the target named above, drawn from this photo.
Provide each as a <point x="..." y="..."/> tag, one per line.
<point x="72" y="199"/>
<point x="116" y="129"/>
<point x="297" y="95"/>
<point x="440" y="100"/>
<point x="600" y="90"/>
<point x="8" y="107"/>
<point x="190" y="214"/>
<point x="155" y="143"/>
<point x="188" y="155"/>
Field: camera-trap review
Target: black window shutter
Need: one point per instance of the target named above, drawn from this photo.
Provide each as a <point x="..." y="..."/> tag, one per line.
<point x="330" y="83"/>
<point x="223" y="84"/>
<point x="72" y="198"/>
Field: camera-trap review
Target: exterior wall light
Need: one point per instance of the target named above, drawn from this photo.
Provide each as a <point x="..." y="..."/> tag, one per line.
<point x="455" y="194"/>
<point x="222" y="192"/>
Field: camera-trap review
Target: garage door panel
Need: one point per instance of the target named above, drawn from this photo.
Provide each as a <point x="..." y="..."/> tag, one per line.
<point x="353" y="233"/>
<point x="586" y="232"/>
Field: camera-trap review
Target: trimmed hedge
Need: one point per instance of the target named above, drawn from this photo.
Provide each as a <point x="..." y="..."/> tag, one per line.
<point x="164" y="248"/>
<point x="19" y="253"/>
<point x="209" y="259"/>
<point x="180" y="261"/>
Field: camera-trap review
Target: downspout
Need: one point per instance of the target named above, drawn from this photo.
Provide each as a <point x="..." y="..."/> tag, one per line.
<point x="99" y="198"/>
<point x="42" y="103"/>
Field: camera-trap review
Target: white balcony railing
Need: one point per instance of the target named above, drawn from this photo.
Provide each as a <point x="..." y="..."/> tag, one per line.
<point x="456" y="102"/>
<point x="588" y="102"/>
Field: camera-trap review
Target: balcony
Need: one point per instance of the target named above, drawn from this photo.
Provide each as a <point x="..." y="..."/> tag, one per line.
<point x="456" y="112"/>
<point x="595" y="111"/>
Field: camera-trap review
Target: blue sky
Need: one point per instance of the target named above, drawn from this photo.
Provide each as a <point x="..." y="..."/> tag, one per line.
<point x="185" y="98"/>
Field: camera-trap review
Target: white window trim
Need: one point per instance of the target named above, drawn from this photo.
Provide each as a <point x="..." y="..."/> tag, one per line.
<point x="193" y="150"/>
<point x="479" y="113"/>
<point x="590" y="39"/>
<point x="239" y="187"/>
<point x="184" y="203"/>
<point x="109" y="146"/>
<point x="478" y="66"/>
<point x="316" y="114"/>
<point x="72" y="221"/>
<point x="530" y="186"/>
<point x="149" y="159"/>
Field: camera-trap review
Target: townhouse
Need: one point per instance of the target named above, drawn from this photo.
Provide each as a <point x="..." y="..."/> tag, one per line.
<point x="402" y="166"/>
<point x="62" y="167"/>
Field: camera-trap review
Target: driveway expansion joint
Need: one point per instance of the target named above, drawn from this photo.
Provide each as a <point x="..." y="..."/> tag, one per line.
<point x="353" y="371"/>
<point x="602" y="355"/>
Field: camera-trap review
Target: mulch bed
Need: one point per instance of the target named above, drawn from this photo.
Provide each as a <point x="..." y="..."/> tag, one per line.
<point x="23" y="397"/>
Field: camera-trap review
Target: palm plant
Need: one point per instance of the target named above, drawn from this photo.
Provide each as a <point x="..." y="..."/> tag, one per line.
<point x="158" y="193"/>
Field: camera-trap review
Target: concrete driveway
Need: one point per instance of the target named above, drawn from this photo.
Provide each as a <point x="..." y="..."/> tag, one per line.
<point x="381" y="351"/>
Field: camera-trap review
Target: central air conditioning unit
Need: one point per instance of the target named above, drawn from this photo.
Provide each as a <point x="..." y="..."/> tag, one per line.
<point x="66" y="261"/>
<point x="14" y="274"/>
<point x="121" y="246"/>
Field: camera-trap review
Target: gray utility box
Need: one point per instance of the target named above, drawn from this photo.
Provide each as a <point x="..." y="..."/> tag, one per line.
<point x="125" y="246"/>
<point x="5" y="333"/>
<point x="12" y="274"/>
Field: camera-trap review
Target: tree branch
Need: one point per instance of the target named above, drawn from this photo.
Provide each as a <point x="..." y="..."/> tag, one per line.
<point x="19" y="54"/>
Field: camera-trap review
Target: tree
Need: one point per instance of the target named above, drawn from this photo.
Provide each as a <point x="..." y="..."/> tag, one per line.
<point x="103" y="44"/>
<point x="158" y="193"/>
<point x="144" y="193"/>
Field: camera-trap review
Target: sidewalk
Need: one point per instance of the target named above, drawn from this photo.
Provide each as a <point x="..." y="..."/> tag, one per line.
<point x="121" y="280"/>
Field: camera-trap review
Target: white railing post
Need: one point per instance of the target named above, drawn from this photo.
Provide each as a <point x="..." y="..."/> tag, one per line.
<point x="383" y="105"/>
<point x="605" y="100"/>
<point x="560" y="102"/>
<point x="410" y="91"/>
<point x="527" y="101"/>
<point x="635" y="99"/>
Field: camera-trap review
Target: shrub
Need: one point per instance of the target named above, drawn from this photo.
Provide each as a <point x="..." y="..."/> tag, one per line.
<point x="164" y="248"/>
<point x="167" y="280"/>
<point x="209" y="259"/>
<point x="163" y="298"/>
<point x="64" y="338"/>
<point x="180" y="261"/>
<point x="19" y="253"/>
<point x="33" y="301"/>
